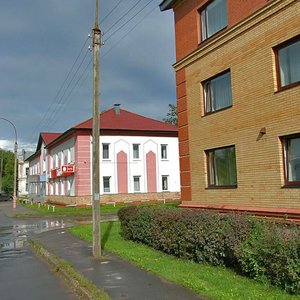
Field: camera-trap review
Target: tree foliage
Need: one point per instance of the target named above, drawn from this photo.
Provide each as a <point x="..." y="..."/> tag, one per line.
<point x="7" y="179"/>
<point x="171" y="117"/>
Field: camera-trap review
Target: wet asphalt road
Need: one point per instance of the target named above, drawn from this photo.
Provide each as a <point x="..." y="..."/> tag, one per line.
<point x="23" y="276"/>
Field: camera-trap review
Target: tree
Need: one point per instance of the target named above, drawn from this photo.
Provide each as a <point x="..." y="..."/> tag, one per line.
<point x="7" y="179"/>
<point x="171" y="117"/>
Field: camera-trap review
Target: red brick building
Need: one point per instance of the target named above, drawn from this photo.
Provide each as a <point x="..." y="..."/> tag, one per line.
<point x="238" y="88"/>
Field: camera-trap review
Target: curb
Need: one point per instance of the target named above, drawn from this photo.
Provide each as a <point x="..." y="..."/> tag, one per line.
<point x="81" y="286"/>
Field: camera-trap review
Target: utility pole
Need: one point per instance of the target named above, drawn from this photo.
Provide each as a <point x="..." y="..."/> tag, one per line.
<point x="96" y="133"/>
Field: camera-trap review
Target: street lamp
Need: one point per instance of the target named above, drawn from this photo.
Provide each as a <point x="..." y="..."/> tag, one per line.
<point x="15" y="165"/>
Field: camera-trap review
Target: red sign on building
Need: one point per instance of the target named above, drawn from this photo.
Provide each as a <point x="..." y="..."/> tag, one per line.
<point x="67" y="170"/>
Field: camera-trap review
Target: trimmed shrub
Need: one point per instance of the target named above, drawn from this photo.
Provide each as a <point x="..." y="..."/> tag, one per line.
<point x="261" y="250"/>
<point x="272" y="253"/>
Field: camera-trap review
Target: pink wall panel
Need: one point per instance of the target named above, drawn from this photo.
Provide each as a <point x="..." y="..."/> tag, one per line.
<point x="151" y="172"/>
<point x="83" y="166"/>
<point x="122" y="172"/>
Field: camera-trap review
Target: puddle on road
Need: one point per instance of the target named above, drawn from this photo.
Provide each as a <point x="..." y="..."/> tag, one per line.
<point x="15" y="237"/>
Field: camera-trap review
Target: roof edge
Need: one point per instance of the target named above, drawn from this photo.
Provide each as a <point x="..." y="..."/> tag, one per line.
<point x="166" y="4"/>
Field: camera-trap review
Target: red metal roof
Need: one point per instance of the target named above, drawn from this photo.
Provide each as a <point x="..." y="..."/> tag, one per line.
<point x="49" y="137"/>
<point x="126" y="120"/>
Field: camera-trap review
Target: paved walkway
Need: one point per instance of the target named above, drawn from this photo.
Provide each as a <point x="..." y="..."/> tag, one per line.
<point x="119" y="278"/>
<point x="10" y="212"/>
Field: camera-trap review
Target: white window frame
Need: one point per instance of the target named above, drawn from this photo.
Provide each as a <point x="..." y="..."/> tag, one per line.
<point x="165" y="178"/>
<point x="164" y="151"/>
<point x="105" y="189"/>
<point x="104" y="151"/>
<point x="205" y="19"/>
<point x="138" y="180"/>
<point x="134" y="151"/>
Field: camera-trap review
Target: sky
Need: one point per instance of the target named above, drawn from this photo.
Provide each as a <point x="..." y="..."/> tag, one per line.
<point x="46" y="70"/>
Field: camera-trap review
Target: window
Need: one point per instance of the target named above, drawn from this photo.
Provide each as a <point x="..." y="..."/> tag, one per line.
<point x="72" y="155"/>
<point x="164" y="151"/>
<point x="106" y="184"/>
<point x="105" y="151"/>
<point x="217" y="92"/>
<point x="292" y="159"/>
<point x="213" y="18"/>
<point x="165" y="186"/>
<point x="136" y="184"/>
<point x="222" y="167"/>
<point x="55" y="161"/>
<point x="288" y="63"/>
<point x="136" y="151"/>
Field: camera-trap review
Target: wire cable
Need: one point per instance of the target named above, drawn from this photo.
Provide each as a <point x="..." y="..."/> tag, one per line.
<point x="138" y="12"/>
<point x="37" y="127"/>
<point x="60" y="102"/>
<point x="127" y="12"/>
<point x="103" y="20"/>
<point x="125" y="35"/>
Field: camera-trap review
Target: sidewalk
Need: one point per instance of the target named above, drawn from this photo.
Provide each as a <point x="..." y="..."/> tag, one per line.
<point x="10" y="212"/>
<point x="118" y="278"/>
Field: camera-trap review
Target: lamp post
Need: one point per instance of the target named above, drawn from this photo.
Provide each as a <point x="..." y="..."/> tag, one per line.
<point x="15" y="164"/>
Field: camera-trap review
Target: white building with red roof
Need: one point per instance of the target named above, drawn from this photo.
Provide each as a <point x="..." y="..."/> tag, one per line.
<point x="139" y="160"/>
<point x="37" y="174"/>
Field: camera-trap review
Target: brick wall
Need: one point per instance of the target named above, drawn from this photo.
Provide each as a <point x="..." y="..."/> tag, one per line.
<point x="187" y="27"/>
<point x="118" y="198"/>
<point x="246" y="50"/>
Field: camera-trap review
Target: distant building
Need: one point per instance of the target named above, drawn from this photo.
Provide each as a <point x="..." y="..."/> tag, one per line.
<point x="37" y="174"/>
<point x="139" y="160"/>
<point x="238" y="89"/>
<point x="23" y="172"/>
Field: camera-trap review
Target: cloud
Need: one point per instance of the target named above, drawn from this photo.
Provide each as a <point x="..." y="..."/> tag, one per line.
<point x="39" y="43"/>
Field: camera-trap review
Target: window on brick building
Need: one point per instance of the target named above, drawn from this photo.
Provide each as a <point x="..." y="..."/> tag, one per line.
<point x="105" y="151"/>
<point x="288" y="63"/>
<point x="136" y="151"/>
<point x="217" y="92"/>
<point x="106" y="184"/>
<point x="222" y="167"/>
<point x="291" y="148"/>
<point x="213" y="18"/>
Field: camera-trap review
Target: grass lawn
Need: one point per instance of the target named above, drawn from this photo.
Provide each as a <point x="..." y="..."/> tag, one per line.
<point x="213" y="282"/>
<point x="79" y="211"/>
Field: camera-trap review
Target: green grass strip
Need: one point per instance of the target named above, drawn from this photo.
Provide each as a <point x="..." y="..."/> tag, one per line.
<point x="204" y="280"/>
<point x="78" y="211"/>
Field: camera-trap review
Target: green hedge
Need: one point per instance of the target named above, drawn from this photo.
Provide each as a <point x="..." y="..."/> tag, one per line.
<point x="262" y="250"/>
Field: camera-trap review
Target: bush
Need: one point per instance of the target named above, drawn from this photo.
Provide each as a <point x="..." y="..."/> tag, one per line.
<point x="272" y="253"/>
<point x="261" y="250"/>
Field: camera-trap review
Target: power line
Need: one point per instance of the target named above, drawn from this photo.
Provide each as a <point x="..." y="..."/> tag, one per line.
<point x="67" y="100"/>
<point x="111" y="11"/>
<point x="127" y="12"/>
<point x="57" y="107"/>
<point x="62" y="102"/>
<point x="125" y="35"/>
<point x="138" y="12"/>
<point x="61" y="87"/>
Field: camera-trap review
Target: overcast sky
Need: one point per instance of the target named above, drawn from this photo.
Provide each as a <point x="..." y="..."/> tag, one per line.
<point x="40" y="41"/>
